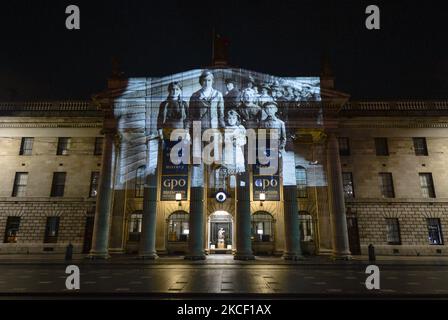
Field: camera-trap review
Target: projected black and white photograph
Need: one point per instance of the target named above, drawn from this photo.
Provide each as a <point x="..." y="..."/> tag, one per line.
<point x="221" y="159"/>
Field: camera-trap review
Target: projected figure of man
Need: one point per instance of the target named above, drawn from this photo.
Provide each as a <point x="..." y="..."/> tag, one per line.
<point x="173" y="112"/>
<point x="207" y="104"/>
<point x="272" y="122"/>
<point x="234" y="141"/>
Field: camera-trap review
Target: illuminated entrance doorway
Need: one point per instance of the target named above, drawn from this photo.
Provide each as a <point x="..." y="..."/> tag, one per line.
<point x="220" y="232"/>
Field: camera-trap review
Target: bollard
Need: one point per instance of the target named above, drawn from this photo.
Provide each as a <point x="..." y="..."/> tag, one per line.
<point x="371" y="252"/>
<point x="69" y="252"/>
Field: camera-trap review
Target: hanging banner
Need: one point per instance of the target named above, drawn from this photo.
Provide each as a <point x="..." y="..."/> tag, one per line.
<point x="168" y="166"/>
<point x="269" y="185"/>
<point x="172" y="185"/>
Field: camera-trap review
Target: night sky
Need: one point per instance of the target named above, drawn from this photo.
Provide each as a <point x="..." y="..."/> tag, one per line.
<point x="42" y="60"/>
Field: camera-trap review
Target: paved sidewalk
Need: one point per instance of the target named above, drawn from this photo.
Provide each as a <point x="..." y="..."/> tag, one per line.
<point x="8" y="259"/>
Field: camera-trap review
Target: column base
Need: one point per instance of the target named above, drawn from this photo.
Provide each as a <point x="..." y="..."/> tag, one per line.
<point x="148" y="256"/>
<point x="292" y="257"/>
<point x="244" y="257"/>
<point x="195" y="257"/>
<point x="98" y="256"/>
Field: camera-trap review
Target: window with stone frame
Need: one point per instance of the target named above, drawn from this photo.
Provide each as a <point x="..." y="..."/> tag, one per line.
<point x="306" y="226"/>
<point x="11" y="229"/>
<point x="20" y="184"/>
<point x="98" y="150"/>
<point x="386" y="185"/>
<point x="58" y="184"/>
<point x="52" y="230"/>
<point x="262" y="227"/>
<point x="393" y="231"/>
<point x="94" y="179"/>
<point x="135" y="226"/>
<point x="347" y="184"/>
<point x="178" y="227"/>
<point x="26" y="146"/>
<point x="420" y="147"/>
<point x="301" y="181"/>
<point x="435" y="235"/>
<point x="344" y="146"/>
<point x="63" y="146"/>
<point x="140" y="181"/>
<point x="381" y="147"/>
<point x="427" y="185"/>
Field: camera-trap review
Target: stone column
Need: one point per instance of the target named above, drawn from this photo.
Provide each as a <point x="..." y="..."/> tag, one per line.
<point x="196" y="224"/>
<point x="147" y="249"/>
<point x="100" y="240"/>
<point x="243" y="227"/>
<point x="341" y="249"/>
<point x="291" y="217"/>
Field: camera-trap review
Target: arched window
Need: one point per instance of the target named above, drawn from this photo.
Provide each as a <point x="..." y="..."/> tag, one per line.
<point x="135" y="226"/>
<point x="262" y="227"/>
<point x="178" y="229"/>
<point x="139" y="181"/>
<point x="306" y="226"/>
<point x="301" y="182"/>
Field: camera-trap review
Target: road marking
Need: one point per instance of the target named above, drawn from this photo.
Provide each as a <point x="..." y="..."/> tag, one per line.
<point x="45" y="282"/>
<point x="320" y="283"/>
<point x="413" y="283"/>
<point x="334" y="290"/>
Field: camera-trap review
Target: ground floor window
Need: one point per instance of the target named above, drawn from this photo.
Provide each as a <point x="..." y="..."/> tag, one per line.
<point x="393" y="231"/>
<point x="262" y="227"/>
<point x="178" y="229"/>
<point x="51" y="230"/>
<point x="135" y="226"/>
<point x="11" y="230"/>
<point x="306" y="226"/>
<point x="434" y="231"/>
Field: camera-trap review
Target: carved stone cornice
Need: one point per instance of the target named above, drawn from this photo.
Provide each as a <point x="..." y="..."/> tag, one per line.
<point x="382" y="122"/>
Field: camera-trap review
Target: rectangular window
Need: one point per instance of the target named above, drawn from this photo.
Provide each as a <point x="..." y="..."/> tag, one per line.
<point x="51" y="230"/>
<point x="20" y="182"/>
<point x="63" y="146"/>
<point x="11" y="230"/>
<point x="427" y="185"/>
<point x="381" y="147"/>
<point x="98" y="146"/>
<point x="26" y="147"/>
<point x="420" y="147"/>
<point x="393" y="231"/>
<point x="135" y="227"/>
<point x="386" y="185"/>
<point x="95" y="176"/>
<point x="434" y="231"/>
<point x="347" y="183"/>
<point x="344" y="147"/>
<point x="58" y="185"/>
<point x="301" y="182"/>
<point x="140" y="182"/>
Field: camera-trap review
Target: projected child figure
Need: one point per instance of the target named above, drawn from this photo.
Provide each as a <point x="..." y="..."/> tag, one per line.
<point x="234" y="141"/>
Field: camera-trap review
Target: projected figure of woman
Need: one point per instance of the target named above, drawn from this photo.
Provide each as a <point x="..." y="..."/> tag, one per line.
<point x="207" y="104"/>
<point x="173" y="112"/>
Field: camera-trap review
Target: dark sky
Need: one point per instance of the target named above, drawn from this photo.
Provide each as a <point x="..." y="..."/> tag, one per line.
<point x="41" y="60"/>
